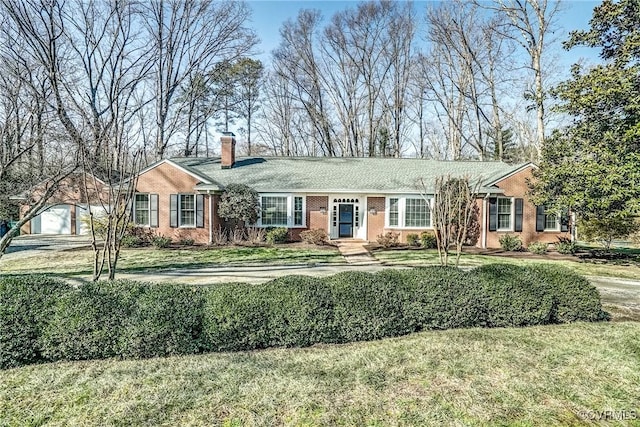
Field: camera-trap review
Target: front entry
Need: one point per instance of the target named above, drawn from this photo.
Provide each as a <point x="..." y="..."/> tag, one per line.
<point x="345" y="220"/>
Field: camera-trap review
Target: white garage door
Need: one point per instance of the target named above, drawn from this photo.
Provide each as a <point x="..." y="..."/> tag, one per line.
<point x="56" y="220"/>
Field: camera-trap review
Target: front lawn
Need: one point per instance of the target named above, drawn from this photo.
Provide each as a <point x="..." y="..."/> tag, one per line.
<point x="547" y="375"/>
<point x="420" y="257"/>
<point x="79" y="261"/>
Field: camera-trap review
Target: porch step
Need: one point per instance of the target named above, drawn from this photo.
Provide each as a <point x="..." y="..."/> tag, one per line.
<point x="354" y="252"/>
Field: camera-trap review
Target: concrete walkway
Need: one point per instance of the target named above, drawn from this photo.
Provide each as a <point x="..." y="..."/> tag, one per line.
<point x="355" y="253"/>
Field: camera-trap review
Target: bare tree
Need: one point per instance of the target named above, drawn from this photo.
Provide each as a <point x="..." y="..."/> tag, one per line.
<point x="188" y="38"/>
<point x="95" y="62"/>
<point x="531" y="23"/>
<point x="453" y="212"/>
<point x="297" y="59"/>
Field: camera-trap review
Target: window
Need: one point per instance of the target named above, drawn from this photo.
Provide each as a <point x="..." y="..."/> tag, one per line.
<point x="297" y="211"/>
<point x="504" y="214"/>
<point x="393" y="212"/>
<point x="187" y="212"/>
<point x="274" y="211"/>
<point x="141" y="207"/>
<point x="551" y="222"/>
<point x="408" y="212"/>
<point x="145" y="210"/>
<point x="278" y="210"/>
<point x="417" y="213"/>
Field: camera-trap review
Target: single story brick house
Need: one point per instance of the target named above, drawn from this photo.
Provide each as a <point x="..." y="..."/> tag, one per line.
<point x="349" y="198"/>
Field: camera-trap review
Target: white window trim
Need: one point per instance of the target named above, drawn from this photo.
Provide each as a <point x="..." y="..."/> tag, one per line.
<point x="512" y="215"/>
<point x="195" y="210"/>
<point x="290" y="212"/>
<point x="557" y="228"/>
<point x="402" y="203"/>
<point x="148" y="225"/>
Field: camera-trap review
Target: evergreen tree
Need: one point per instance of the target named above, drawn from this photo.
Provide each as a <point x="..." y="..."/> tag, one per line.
<point x="593" y="165"/>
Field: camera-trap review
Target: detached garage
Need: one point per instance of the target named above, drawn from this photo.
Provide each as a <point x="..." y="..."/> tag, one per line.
<point x="67" y="207"/>
<point x="64" y="219"/>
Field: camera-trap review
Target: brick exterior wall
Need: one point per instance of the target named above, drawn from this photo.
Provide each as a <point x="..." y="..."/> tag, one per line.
<point x="516" y="186"/>
<point x="375" y="223"/>
<point x="314" y="218"/>
<point x="165" y="180"/>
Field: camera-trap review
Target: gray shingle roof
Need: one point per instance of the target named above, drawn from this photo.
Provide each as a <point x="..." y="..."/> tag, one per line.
<point x="338" y="174"/>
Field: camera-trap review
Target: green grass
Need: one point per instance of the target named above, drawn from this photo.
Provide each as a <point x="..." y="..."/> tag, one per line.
<point x="532" y="376"/>
<point x="133" y="260"/>
<point x="430" y="257"/>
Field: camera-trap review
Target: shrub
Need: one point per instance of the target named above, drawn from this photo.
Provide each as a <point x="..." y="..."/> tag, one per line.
<point x="26" y="304"/>
<point x="538" y="248"/>
<point x="235" y="317"/>
<point x="187" y="241"/>
<point x="130" y="241"/>
<point x="575" y="298"/>
<point x="512" y="298"/>
<point x="239" y="204"/>
<point x="47" y="320"/>
<point x="300" y="311"/>
<point x="138" y="236"/>
<point x="388" y="239"/>
<point x="413" y="239"/>
<point x="164" y="319"/>
<point x="605" y="230"/>
<point x="160" y="241"/>
<point x="87" y="323"/>
<point x="428" y="240"/>
<point x="219" y="236"/>
<point x="255" y="235"/>
<point x="565" y="246"/>
<point x="510" y="243"/>
<point x="237" y="236"/>
<point x="369" y="306"/>
<point x="277" y="235"/>
<point x="317" y="236"/>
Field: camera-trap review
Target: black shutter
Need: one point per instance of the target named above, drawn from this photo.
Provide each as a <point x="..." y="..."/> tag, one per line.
<point x="519" y="211"/>
<point x="564" y="221"/>
<point x="173" y="209"/>
<point x="153" y="208"/>
<point x="200" y="210"/>
<point x="493" y="214"/>
<point x="539" y="218"/>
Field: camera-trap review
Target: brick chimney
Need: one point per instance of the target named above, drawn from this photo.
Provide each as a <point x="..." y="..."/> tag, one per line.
<point x="228" y="150"/>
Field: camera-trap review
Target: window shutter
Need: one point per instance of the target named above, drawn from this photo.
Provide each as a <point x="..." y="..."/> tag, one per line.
<point x="519" y="210"/>
<point x="153" y="208"/>
<point x="564" y="221"/>
<point x="173" y="210"/>
<point x="493" y="214"/>
<point x="200" y="210"/>
<point x="539" y="218"/>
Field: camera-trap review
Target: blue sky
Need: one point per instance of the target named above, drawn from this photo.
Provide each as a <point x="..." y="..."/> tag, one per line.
<point x="268" y="16"/>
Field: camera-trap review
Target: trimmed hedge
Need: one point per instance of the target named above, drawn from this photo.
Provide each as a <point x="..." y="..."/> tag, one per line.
<point x="26" y="305"/>
<point x="44" y="319"/>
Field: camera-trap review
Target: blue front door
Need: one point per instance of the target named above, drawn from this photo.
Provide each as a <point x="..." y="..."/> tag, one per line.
<point x="345" y="220"/>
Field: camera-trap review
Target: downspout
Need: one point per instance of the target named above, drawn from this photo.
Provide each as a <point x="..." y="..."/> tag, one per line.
<point x="210" y="217"/>
<point x="484" y="221"/>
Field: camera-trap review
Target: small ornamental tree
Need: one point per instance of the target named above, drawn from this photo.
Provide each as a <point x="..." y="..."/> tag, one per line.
<point x="604" y="231"/>
<point x="239" y="204"/>
<point x="454" y="215"/>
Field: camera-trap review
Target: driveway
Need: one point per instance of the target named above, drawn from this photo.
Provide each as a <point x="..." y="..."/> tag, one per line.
<point x="43" y="244"/>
